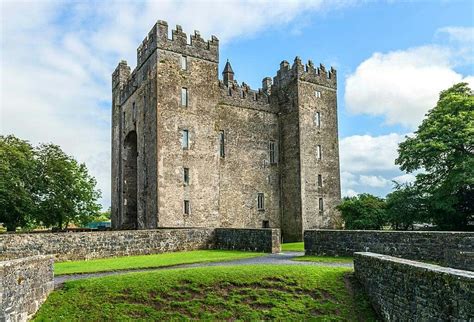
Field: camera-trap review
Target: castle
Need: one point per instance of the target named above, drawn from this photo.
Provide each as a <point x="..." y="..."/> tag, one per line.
<point x="190" y="150"/>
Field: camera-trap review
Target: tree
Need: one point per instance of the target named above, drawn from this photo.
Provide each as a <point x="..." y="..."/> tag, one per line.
<point x="17" y="182"/>
<point x="443" y="149"/>
<point x="405" y="206"/>
<point x="364" y="211"/>
<point x="67" y="190"/>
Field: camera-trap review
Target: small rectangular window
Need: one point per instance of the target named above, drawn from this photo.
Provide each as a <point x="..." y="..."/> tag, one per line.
<point x="272" y="147"/>
<point x="222" y="144"/>
<point x="317" y="119"/>
<point x="265" y="224"/>
<point x="318" y="94"/>
<point x="186" y="176"/>
<point x="187" y="208"/>
<point x="321" y="206"/>
<point x="185" y="139"/>
<point x="134" y="112"/>
<point x="184" y="96"/>
<point x="184" y="62"/>
<point x="260" y="201"/>
<point x="320" y="180"/>
<point x="319" y="155"/>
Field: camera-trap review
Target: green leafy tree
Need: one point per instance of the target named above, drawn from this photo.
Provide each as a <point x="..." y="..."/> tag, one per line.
<point x="406" y="206"/>
<point x="17" y="182"/>
<point x="67" y="190"/>
<point x="443" y="149"/>
<point x="363" y="211"/>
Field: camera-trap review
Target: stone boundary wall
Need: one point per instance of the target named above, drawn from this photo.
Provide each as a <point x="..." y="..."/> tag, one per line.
<point x="25" y="284"/>
<point x="250" y="239"/>
<point x="89" y="245"/>
<point x="453" y="249"/>
<point x="406" y="290"/>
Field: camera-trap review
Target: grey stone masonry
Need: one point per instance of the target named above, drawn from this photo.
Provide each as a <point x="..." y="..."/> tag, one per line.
<point x="257" y="240"/>
<point x="453" y="249"/>
<point x="405" y="290"/>
<point x="25" y="284"/>
<point x="88" y="245"/>
<point x="192" y="150"/>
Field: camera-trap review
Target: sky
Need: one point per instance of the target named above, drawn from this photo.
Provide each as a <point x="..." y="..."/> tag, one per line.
<point x="392" y="57"/>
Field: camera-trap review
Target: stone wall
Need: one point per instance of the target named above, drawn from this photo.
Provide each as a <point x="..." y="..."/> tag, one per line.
<point x="88" y="245"/>
<point x="24" y="285"/>
<point x="405" y="290"/>
<point x="453" y="249"/>
<point x="257" y="240"/>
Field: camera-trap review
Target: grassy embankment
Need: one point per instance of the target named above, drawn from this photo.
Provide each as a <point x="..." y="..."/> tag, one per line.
<point x="299" y="247"/>
<point x="223" y="293"/>
<point x="149" y="261"/>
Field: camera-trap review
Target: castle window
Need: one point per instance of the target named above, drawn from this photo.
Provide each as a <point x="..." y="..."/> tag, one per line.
<point x="272" y="147"/>
<point x="319" y="154"/>
<point x="184" y="96"/>
<point x="265" y="224"/>
<point x="320" y="181"/>
<point x="187" y="207"/>
<point x="186" y="176"/>
<point x="321" y="206"/>
<point x="260" y="201"/>
<point x="318" y="94"/>
<point x="134" y="112"/>
<point x="185" y="139"/>
<point x="222" y="144"/>
<point x="230" y="92"/>
<point x="184" y="62"/>
<point x="317" y="119"/>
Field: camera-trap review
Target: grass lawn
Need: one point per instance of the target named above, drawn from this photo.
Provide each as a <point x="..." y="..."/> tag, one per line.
<point x="292" y="247"/>
<point x="324" y="259"/>
<point x="149" y="261"/>
<point x="213" y="293"/>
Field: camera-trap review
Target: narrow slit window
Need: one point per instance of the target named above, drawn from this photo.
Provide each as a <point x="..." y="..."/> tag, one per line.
<point x="185" y="139"/>
<point x="272" y="147"/>
<point x="318" y="94"/>
<point x="222" y="144"/>
<point x="321" y="205"/>
<point x="186" y="176"/>
<point x="320" y="181"/>
<point x="187" y="208"/>
<point x="319" y="155"/>
<point x="134" y="112"/>
<point x="184" y="62"/>
<point x="317" y="119"/>
<point x="260" y="201"/>
<point x="184" y="96"/>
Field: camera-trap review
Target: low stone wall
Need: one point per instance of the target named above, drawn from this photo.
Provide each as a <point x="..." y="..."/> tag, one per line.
<point x="405" y="290"/>
<point x="453" y="249"/>
<point x="25" y="284"/>
<point x="88" y="245"/>
<point x="258" y="240"/>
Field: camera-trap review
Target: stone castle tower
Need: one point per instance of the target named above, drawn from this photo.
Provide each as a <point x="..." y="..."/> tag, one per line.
<point x="190" y="150"/>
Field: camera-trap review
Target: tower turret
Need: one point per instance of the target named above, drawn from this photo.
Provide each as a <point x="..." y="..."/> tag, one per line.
<point x="228" y="74"/>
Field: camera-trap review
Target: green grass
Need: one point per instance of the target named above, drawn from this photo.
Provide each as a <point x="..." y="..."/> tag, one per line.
<point x="292" y="247"/>
<point x="324" y="259"/>
<point x="149" y="261"/>
<point x="212" y="293"/>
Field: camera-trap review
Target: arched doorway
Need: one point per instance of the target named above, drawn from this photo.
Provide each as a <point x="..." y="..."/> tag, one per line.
<point x="129" y="220"/>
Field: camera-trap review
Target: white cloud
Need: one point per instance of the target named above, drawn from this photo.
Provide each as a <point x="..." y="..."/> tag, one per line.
<point x="375" y="181"/>
<point x="365" y="153"/>
<point x="349" y="193"/>
<point x="459" y="34"/>
<point x="405" y="178"/>
<point x="401" y="85"/>
<point x="57" y="58"/>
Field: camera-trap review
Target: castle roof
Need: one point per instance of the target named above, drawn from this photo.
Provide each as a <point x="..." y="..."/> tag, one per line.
<point x="228" y="68"/>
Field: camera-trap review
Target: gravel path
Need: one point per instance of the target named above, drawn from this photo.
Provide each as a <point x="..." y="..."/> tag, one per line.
<point x="270" y="259"/>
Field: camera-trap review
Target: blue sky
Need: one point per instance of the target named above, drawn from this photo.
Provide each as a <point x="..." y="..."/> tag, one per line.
<point x="392" y="58"/>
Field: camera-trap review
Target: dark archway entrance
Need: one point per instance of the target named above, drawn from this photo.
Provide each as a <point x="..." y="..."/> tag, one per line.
<point x="129" y="220"/>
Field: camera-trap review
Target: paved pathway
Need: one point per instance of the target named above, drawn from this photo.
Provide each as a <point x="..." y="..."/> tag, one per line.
<point x="270" y="259"/>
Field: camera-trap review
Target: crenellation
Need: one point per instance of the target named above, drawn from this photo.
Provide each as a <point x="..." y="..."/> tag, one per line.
<point x="243" y="95"/>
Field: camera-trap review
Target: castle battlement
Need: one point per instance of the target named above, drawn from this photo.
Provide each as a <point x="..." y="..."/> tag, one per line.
<point x="243" y="95"/>
<point x="308" y="73"/>
<point x="158" y="38"/>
